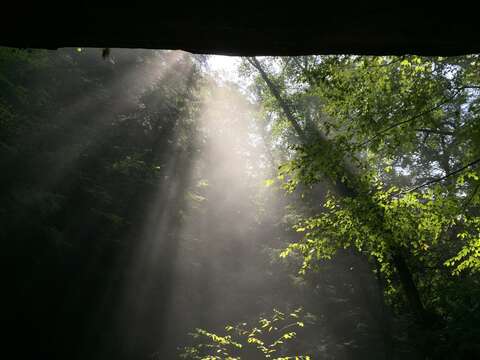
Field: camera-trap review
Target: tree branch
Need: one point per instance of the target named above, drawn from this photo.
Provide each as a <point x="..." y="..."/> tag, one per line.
<point x="471" y="164"/>
<point x="433" y="108"/>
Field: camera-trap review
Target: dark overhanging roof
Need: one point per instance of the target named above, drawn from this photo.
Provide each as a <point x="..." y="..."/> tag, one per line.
<point x="243" y="29"/>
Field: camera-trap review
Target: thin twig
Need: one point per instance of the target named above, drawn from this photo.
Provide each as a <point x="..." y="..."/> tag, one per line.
<point x="446" y="100"/>
<point x="473" y="163"/>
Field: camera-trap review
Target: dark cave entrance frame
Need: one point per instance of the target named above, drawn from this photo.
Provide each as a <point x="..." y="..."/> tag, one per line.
<point x="243" y="30"/>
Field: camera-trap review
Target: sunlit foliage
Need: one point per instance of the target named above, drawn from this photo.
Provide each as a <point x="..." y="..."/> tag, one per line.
<point x="401" y="135"/>
<point x="269" y="338"/>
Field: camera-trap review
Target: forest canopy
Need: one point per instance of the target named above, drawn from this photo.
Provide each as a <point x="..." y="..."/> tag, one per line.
<point x="310" y="207"/>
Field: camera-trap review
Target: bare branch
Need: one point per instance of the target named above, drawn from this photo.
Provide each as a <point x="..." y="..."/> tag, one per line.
<point x="419" y="115"/>
<point x="469" y="165"/>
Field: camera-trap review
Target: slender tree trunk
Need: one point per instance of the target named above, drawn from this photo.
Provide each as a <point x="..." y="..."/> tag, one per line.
<point x="386" y="316"/>
<point x="409" y="287"/>
<point x="276" y="93"/>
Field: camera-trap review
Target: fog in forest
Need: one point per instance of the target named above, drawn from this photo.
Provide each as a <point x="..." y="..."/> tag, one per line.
<point x="147" y="197"/>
